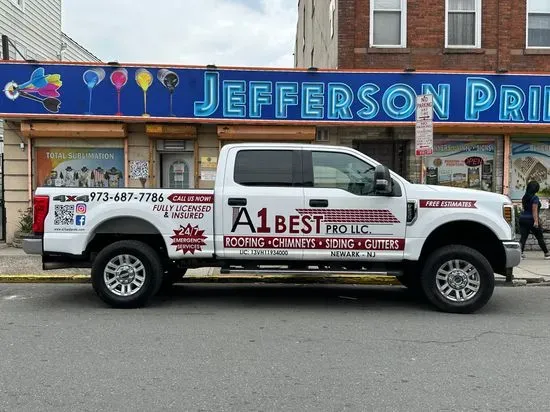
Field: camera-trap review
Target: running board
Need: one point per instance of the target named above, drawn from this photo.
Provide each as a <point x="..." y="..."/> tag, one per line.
<point x="226" y="271"/>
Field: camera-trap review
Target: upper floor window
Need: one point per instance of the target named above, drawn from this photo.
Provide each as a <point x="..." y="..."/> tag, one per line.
<point x="463" y="23"/>
<point x="388" y="23"/>
<point x="538" y="23"/>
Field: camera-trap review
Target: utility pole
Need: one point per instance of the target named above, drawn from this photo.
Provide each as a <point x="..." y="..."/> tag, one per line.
<point x="5" y="48"/>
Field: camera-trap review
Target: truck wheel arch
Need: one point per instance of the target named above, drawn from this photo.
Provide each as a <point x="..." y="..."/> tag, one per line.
<point x="468" y="233"/>
<point x="124" y="227"/>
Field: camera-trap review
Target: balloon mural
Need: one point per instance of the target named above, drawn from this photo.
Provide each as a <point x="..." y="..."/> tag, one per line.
<point x="119" y="78"/>
<point x="44" y="88"/>
<point x="170" y="80"/>
<point x="92" y="78"/>
<point x="144" y="79"/>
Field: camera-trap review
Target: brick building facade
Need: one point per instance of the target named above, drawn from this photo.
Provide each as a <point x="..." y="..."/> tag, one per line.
<point x="501" y="37"/>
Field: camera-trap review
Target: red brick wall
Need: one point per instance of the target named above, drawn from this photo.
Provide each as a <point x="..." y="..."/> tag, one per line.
<point x="502" y="42"/>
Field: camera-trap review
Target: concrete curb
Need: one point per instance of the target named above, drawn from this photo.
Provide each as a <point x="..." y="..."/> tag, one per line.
<point x="44" y="279"/>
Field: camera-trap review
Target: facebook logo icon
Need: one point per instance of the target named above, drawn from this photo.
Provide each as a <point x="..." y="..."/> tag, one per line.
<point x="80" y="220"/>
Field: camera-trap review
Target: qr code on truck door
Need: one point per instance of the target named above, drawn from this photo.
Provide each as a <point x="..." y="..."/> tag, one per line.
<point x="63" y="215"/>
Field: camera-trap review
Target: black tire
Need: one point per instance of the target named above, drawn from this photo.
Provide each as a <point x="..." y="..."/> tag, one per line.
<point x="152" y="273"/>
<point x="452" y="304"/>
<point x="170" y="277"/>
<point x="411" y="280"/>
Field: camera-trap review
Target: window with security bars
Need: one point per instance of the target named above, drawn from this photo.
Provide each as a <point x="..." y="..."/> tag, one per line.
<point x="463" y="23"/>
<point x="538" y="23"/>
<point x="388" y="27"/>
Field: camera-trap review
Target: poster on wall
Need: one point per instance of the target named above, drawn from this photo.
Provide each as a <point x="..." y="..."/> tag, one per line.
<point x="464" y="164"/>
<point x="530" y="161"/>
<point x="79" y="167"/>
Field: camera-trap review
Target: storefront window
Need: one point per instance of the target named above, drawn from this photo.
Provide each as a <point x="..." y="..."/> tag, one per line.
<point x="464" y="164"/>
<point x="79" y="167"/>
<point x="530" y="161"/>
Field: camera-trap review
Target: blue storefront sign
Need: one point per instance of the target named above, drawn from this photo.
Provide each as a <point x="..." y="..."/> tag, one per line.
<point x="254" y="95"/>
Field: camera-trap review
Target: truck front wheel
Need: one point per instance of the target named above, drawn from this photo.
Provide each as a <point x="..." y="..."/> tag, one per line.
<point x="457" y="279"/>
<point x="126" y="274"/>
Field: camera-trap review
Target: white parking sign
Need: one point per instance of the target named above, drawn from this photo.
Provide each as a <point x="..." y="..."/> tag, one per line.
<point x="424" y="125"/>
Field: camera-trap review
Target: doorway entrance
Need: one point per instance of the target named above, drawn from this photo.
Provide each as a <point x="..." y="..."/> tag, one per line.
<point x="390" y="154"/>
<point x="177" y="170"/>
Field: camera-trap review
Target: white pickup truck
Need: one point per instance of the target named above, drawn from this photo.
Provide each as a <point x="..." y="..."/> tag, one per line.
<point x="277" y="207"/>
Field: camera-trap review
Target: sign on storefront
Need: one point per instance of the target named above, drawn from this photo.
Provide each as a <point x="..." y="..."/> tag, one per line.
<point x="79" y="167"/>
<point x="530" y="162"/>
<point x="199" y="94"/>
<point x="461" y="163"/>
<point x="424" y="131"/>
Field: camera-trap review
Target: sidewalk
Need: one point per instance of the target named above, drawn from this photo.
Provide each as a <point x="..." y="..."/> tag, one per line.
<point x="15" y="265"/>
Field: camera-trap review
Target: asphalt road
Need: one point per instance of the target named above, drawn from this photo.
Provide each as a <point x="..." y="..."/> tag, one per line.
<point x="272" y="348"/>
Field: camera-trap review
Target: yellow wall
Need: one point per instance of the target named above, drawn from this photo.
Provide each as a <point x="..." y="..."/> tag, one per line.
<point x="138" y="149"/>
<point x="15" y="177"/>
<point x="208" y="147"/>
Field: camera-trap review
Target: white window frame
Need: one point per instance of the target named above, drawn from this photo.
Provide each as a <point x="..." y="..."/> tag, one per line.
<point x="403" y="27"/>
<point x="19" y="6"/>
<point x="527" y="13"/>
<point x="478" y="17"/>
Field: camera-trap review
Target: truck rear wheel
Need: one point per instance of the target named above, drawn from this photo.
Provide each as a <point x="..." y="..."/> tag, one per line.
<point x="126" y="274"/>
<point x="458" y="279"/>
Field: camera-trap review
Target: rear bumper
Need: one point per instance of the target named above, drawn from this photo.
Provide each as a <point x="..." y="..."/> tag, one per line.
<point x="32" y="246"/>
<point x="513" y="253"/>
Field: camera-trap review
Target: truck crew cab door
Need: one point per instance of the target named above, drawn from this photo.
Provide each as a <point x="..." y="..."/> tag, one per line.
<point x="356" y="223"/>
<point x="262" y="191"/>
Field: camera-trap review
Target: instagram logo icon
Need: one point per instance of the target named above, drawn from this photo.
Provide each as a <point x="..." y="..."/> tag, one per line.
<point x="80" y="208"/>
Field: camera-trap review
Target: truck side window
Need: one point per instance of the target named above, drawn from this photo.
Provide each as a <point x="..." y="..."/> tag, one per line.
<point x="264" y="168"/>
<point x="342" y="171"/>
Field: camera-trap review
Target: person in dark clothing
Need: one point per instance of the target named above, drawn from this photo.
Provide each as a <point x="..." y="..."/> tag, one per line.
<point x="529" y="218"/>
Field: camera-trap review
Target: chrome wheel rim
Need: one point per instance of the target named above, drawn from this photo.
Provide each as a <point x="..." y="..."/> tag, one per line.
<point x="458" y="280"/>
<point x="124" y="275"/>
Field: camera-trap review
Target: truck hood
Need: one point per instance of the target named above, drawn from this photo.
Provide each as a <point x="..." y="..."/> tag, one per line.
<point x="453" y="193"/>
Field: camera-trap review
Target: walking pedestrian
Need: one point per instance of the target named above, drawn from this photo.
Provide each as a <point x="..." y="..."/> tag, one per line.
<point x="529" y="219"/>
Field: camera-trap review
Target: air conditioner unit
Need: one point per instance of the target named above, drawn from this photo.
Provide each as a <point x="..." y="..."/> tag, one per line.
<point x="322" y="135"/>
<point x="171" y="145"/>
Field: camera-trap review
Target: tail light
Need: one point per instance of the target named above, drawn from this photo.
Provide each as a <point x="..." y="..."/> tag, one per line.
<point x="41" y="205"/>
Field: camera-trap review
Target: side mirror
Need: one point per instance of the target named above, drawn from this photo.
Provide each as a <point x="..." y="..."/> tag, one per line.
<point x="383" y="184"/>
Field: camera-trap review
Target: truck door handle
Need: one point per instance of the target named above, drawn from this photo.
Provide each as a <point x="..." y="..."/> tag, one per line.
<point x="318" y="203"/>
<point x="236" y="201"/>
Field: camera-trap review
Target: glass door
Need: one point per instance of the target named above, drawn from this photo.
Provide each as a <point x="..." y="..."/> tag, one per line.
<point x="177" y="171"/>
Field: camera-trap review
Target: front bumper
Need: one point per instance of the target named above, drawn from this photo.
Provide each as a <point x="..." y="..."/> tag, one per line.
<point x="513" y="253"/>
<point x="32" y="245"/>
